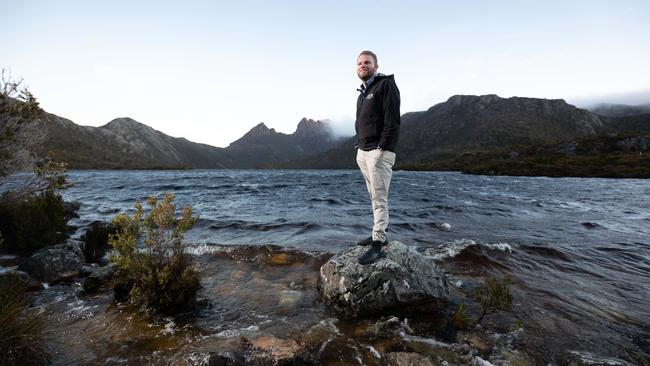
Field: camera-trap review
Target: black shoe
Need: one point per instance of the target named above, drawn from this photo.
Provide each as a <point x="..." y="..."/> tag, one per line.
<point x="372" y="254"/>
<point x="365" y="242"/>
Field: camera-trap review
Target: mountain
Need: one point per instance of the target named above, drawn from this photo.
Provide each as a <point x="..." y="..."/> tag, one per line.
<point x="462" y="133"/>
<point x="620" y="110"/>
<point x="124" y="143"/>
<point x="469" y="123"/>
<point x="262" y="145"/>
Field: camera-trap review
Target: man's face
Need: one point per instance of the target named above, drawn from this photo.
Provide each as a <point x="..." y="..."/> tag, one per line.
<point x="366" y="67"/>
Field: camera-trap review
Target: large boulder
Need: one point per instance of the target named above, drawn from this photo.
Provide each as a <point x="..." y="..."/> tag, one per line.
<point x="402" y="280"/>
<point x="56" y="263"/>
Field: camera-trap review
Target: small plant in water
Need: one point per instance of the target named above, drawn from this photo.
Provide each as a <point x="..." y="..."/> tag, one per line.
<point x="161" y="276"/>
<point x="493" y="295"/>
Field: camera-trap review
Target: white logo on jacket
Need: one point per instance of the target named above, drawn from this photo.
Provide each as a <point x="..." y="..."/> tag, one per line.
<point x="370" y="96"/>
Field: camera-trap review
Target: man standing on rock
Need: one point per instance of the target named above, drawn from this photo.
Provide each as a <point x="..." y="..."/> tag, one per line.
<point x="377" y="127"/>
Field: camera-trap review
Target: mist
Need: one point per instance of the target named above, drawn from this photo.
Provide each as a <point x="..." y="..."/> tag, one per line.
<point x="341" y="126"/>
<point x="632" y="98"/>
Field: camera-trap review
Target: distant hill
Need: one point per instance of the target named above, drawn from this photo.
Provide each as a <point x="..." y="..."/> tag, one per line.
<point x="620" y="110"/>
<point x="124" y="143"/>
<point x="121" y="144"/>
<point x="464" y="133"/>
<point x="625" y="155"/>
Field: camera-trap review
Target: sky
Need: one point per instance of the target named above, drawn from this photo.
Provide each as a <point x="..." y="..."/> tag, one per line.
<point x="209" y="71"/>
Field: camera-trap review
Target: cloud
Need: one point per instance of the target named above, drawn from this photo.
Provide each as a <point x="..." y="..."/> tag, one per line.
<point x="342" y="126"/>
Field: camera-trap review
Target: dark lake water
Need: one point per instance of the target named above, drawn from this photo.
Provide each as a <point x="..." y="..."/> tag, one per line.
<point x="578" y="250"/>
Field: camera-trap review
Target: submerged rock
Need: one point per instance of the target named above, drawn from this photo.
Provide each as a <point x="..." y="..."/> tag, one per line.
<point x="402" y="280"/>
<point x="98" y="277"/>
<point x="12" y="274"/>
<point x="575" y="358"/>
<point x="56" y="263"/>
<point x="270" y="350"/>
<point x="406" y="359"/>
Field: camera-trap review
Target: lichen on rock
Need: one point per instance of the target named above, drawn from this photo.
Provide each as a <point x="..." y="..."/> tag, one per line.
<point x="402" y="280"/>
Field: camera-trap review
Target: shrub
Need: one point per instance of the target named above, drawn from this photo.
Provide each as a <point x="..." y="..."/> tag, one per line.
<point x="460" y="320"/>
<point x="33" y="215"/>
<point x="493" y="295"/>
<point x="21" y="331"/>
<point x="96" y="241"/>
<point x="160" y="276"/>
<point x="18" y="100"/>
<point x="32" y="223"/>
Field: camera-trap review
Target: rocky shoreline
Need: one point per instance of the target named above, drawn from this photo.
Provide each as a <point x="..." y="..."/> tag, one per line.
<point x="313" y="308"/>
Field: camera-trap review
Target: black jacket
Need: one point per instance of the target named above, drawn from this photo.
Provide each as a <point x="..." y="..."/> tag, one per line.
<point x="378" y="117"/>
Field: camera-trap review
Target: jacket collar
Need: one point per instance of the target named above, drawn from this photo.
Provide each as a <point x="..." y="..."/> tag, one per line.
<point x="363" y="88"/>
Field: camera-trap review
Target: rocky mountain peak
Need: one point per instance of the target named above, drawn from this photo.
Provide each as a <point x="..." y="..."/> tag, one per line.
<point x="482" y="103"/>
<point x="125" y="123"/>
<point x="253" y="136"/>
<point x="260" y="130"/>
<point x="458" y="100"/>
<point x="309" y="127"/>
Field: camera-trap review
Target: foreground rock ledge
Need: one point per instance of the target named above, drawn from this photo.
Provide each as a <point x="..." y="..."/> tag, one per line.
<point x="403" y="280"/>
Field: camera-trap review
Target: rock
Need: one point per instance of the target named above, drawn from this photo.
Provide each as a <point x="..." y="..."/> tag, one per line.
<point x="219" y="358"/>
<point x="56" y="263"/>
<point x="225" y="358"/>
<point x="403" y="280"/>
<point x="270" y="350"/>
<point x="575" y="358"/>
<point x="31" y="284"/>
<point x="9" y="260"/>
<point x="405" y="359"/>
<point x="99" y="276"/>
<point x="316" y="338"/>
<point x="70" y="210"/>
<point x="390" y="327"/>
<point x="95" y="240"/>
<point x="229" y="354"/>
<point x="104" y="261"/>
<point x="86" y="270"/>
<point x="476" y="340"/>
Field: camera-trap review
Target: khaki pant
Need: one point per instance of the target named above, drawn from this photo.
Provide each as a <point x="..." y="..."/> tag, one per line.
<point x="377" y="169"/>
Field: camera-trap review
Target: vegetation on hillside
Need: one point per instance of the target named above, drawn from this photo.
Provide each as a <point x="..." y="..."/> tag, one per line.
<point x="625" y="155"/>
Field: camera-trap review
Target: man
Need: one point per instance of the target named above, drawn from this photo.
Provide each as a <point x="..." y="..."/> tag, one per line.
<point x="377" y="127"/>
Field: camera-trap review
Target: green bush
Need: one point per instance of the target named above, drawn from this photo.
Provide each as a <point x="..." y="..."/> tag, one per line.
<point x="460" y="320"/>
<point x="21" y="331"/>
<point x="17" y="100"/>
<point x="33" y="222"/>
<point x="494" y="295"/>
<point x="96" y="240"/>
<point x="33" y="215"/>
<point x="160" y="276"/>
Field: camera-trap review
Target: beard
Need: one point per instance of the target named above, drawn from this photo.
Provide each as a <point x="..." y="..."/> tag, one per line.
<point x="365" y="75"/>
